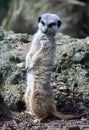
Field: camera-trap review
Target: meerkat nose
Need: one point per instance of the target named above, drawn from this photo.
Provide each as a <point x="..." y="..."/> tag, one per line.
<point x="45" y="30"/>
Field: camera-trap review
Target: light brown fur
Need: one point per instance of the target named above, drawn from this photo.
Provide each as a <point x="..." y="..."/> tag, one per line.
<point x="39" y="95"/>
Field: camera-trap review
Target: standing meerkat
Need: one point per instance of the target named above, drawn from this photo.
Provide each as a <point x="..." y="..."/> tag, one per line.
<point x="39" y="63"/>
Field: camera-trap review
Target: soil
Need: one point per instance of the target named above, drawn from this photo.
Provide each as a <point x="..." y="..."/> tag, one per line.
<point x="12" y="120"/>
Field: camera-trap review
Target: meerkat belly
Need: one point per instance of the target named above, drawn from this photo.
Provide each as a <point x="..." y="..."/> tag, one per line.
<point x="42" y="71"/>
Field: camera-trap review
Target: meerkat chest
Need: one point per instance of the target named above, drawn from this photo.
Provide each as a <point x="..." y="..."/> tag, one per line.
<point x="49" y="46"/>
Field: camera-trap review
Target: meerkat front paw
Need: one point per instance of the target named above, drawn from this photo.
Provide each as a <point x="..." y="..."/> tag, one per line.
<point x="30" y="67"/>
<point x="29" y="64"/>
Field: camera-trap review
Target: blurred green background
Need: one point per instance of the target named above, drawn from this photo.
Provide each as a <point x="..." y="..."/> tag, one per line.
<point x="5" y="3"/>
<point x="21" y="15"/>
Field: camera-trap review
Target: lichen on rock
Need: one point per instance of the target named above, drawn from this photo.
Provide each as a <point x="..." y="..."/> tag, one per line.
<point x="70" y="73"/>
<point x="13" y="48"/>
<point x="73" y="61"/>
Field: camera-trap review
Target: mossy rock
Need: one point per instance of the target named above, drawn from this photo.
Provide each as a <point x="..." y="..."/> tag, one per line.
<point x="13" y="97"/>
<point x="70" y="73"/>
<point x="72" y="61"/>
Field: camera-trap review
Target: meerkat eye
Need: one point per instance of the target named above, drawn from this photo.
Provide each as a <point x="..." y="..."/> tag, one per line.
<point x="59" y="23"/>
<point x="52" y="24"/>
<point x="42" y="22"/>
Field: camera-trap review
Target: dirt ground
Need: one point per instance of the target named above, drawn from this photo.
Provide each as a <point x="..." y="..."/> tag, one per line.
<point x="21" y="121"/>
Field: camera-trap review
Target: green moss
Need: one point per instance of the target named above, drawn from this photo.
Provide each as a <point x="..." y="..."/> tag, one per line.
<point x="12" y="95"/>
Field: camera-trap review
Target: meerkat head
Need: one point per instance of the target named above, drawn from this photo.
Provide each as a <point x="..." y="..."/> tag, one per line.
<point x="49" y="23"/>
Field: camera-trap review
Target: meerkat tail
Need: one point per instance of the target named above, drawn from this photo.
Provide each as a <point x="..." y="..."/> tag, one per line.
<point x="65" y="116"/>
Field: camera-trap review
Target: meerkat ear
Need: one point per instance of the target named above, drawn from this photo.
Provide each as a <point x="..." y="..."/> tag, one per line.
<point x="58" y="23"/>
<point x="39" y="18"/>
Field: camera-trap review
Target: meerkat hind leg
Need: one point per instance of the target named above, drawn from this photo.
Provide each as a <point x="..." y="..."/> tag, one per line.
<point x="27" y="100"/>
<point x="28" y="112"/>
<point x="40" y="120"/>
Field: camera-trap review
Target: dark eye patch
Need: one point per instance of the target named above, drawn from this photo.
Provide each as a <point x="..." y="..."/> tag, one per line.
<point x="42" y="22"/>
<point x="52" y="24"/>
<point x="59" y="23"/>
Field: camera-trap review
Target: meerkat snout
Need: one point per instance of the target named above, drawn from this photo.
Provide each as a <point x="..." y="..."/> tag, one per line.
<point x="49" y="24"/>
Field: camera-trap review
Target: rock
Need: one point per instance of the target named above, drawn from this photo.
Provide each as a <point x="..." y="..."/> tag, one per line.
<point x="13" y="97"/>
<point x="12" y="68"/>
<point x="72" y="60"/>
<point x="72" y="64"/>
<point x="70" y="74"/>
<point x="4" y="111"/>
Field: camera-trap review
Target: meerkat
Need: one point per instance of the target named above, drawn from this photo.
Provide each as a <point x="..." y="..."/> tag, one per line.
<point x="39" y="63"/>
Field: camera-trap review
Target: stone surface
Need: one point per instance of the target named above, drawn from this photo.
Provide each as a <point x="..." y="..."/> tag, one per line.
<point x="70" y="77"/>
